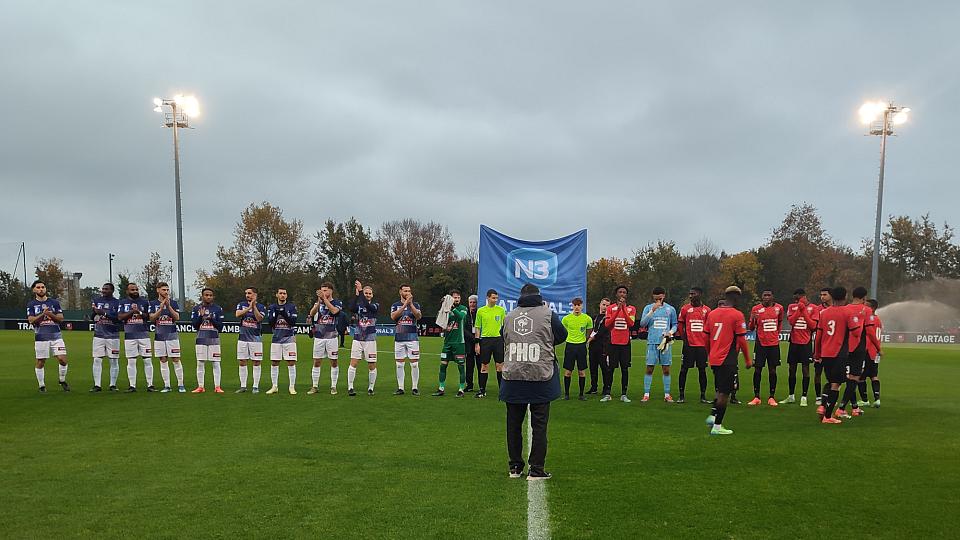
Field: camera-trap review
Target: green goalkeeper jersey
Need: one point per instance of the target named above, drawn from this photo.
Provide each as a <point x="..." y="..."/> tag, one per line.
<point x="455" y="334"/>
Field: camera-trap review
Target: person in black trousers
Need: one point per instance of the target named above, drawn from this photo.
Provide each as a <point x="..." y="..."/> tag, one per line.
<point x="597" y="345"/>
<point x="469" y="341"/>
<point x="531" y="378"/>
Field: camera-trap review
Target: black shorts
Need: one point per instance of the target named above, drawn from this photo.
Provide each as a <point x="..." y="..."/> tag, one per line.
<point x="835" y="369"/>
<point x="856" y="362"/>
<point x="800" y="354"/>
<point x="723" y="378"/>
<point x="694" y="357"/>
<point x="618" y="356"/>
<point x="575" y="354"/>
<point x="871" y="369"/>
<point x="491" y="346"/>
<point x="766" y="355"/>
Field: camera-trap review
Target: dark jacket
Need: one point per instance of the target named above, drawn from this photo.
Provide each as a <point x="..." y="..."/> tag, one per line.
<point x="536" y="391"/>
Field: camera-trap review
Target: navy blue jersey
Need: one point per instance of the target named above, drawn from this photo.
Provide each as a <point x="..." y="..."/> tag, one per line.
<point x="105" y="316"/>
<point x="366" y="318"/>
<point x="407" y="324"/>
<point x="208" y="320"/>
<point x="249" y="325"/>
<point x="325" y="322"/>
<point x="135" y="327"/>
<point x="166" y="326"/>
<point x="282" y="318"/>
<point x="46" y="329"/>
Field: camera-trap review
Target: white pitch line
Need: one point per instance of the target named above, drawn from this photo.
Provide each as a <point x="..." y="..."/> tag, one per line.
<point x="538" y="513"/>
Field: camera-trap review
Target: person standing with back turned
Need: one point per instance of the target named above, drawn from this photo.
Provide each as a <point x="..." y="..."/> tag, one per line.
<point x="531" y="377"/>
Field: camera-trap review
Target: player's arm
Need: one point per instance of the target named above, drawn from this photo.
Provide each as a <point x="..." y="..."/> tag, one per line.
<point x="415" y="309"/>
<point x="153" y="316"/>
<point x="745" y="349"/>
<point x="631" y="317"/>
<point x="257" y="314"/>
<point x="195" y="318"/>
<point x="646" y="316"/>
<point x="242" y="311"/>
<point x="291" y="315"/>
<point x="608" y="320"/>
<point x="794" y="315"/>
<point x="873" y="338"/>
<point x="34" y="318"/>
<point x="395" y="314"/>
<point x="331" y="307"/>
<point x="174" y="313"/>
<point x="124" y="316"/>
<point x="217" y="319"/>
<point x="673" y="323"/>
<point x="817" y="343"/>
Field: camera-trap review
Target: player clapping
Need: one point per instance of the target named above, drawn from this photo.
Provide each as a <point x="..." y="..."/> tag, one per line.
<point x="207" y="319"/>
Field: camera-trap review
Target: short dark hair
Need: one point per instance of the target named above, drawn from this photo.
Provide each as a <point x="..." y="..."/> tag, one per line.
<point x="765" y="291"/>
<point x="254" y="289"/>
<point x="838" y="293"/>
<point x="618" y="287"/>
<point x="873" y="303"/>
<point x="800" y="291"/>
<point x="159" y="284"/>
<point x="659" y="290"/>
<point x="605" y="298"/>
<point x="698" y="289"/>
<point x="129" y="283"/>
<point x="112" y="286"/>
<point x="455" y="291"/>
<point x="34" y="284"/>
<point x="859" y="292"/>
<point x="731" y="298"/>
<point x="402" y="285"/>
<point x="491" y="292"/>
<point x="528" y="289"/>
<point x="205" y="289"/>
<point x="825" y="289"/>
<point x="577" y="301"/>
<point x="284" y="289"/>
<point x="327" y="284"/>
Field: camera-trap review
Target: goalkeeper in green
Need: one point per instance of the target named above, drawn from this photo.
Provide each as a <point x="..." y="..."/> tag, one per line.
<point x="453" y="345"/>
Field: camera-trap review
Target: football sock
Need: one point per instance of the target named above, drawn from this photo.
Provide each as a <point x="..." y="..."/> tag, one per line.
<point x="831" y="401"/>
<point x="256" y="376"/>
<point x="132" y="371"/>
<point x="62" y="372"/>
<point x="806" y="384"/>
<point x="703" y="382"/>
<point x="862" y="388"/>
<point x="178" y="369"/>
<point x="165" y="373"/>
<point x="401" y="375"/>
<point x="666" y="384"/>
<point x="647" y="382"/>
<point x="443" y="375"/>
<point x="792" y="379"/>
<point x="415" y="374"/>
<point x="772" y="378"/>
<point x="582" y="379"/>
<point x="721" y="412"/>
<point x="482" y="379"/>
<point x="97" y="370"/>
<point x="756" y="382"/>
<point x="39" y="372"/>
<point x="351" y="376"/>
<point x="850" y="395"/>
<point x="315" y="376"/>
<point x="201" y="372"/>
<point x="292" y="375"/>
<point x="243" y="376"/>
<point x="334" y="376"/>
<point x="216" y="374"/>
<point x="683" y="380"/>
<point x="463" y="374"/>
<point x="114" y="370"/>
<point x="817" y="378"/>
<point x="372" y="378"/>
<point x="624" y="378"/>
<point x="566" y="385"/>
<point x="499" y="378"/>
<point x="274" y="375"/>
<point x="876" y="389"/>
<point x="148" y="369"/>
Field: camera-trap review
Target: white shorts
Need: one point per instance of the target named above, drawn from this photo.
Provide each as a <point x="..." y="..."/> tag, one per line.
<point x="326" y="348"/>
<point x="250" y="350"/>
<point x="406" y="349"/>
<point x="137" y="347"/>
<point x="169" y="348"/>
<point x="283" y="351"/>
<point x="208" y="353"/>
<point x="43" y="348"/>
<point x="109" y="347"/>
<point x="366" y="350"/>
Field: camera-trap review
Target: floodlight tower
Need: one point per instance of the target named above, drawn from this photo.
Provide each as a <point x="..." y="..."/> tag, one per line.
<point x="181" y="109"/>
<point x="880" y="117"/>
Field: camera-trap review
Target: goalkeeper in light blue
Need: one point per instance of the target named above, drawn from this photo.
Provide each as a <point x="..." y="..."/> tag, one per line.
<point x="660" y="319"/>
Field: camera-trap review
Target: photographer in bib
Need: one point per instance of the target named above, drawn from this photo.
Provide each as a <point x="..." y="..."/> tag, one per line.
<point x="531" y="377"/>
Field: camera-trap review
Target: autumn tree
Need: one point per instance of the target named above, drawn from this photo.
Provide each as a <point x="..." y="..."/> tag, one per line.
<point x="413" y="246"/>
<point x="701" y="266"/>
<point x="345" y="252"/>
<point x="153" y="272"/>
<point x="657" y="265"/>
<point x="743" y="270"/>
<point x="13" y="292"/>
<point x="799" y="253"/>
<point x="51" y="272"/>
<point x="603" y="275"/>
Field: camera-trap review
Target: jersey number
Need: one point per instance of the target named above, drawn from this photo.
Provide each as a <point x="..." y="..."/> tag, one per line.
<point x="831" y="327"/>
<point x="719" y="327"/>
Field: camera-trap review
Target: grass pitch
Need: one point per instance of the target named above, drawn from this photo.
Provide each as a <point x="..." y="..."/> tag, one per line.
<point x="151" y="465"/>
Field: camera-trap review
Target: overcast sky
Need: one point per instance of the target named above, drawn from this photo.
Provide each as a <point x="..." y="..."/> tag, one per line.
<point x="635" y="121"/>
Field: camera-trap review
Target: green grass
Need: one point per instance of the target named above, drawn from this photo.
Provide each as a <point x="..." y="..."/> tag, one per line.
<point x="152" y="465"/>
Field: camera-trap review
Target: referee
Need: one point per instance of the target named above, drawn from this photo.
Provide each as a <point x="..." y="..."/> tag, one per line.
<point x="488" y="340"/>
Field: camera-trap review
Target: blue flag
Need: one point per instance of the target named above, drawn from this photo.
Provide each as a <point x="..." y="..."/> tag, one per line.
<point x="558" y="267"/>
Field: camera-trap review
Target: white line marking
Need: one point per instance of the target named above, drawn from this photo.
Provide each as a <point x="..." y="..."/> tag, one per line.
<point x="538" y="513"/>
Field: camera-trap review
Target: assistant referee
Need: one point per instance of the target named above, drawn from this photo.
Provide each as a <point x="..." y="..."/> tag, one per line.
<point x="488" y="334"/>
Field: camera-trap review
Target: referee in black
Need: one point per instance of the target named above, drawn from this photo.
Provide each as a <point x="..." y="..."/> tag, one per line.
<point x="597" y="345"/>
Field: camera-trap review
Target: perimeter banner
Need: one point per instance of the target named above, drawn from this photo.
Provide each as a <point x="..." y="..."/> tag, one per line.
<point x="558" y="267"/>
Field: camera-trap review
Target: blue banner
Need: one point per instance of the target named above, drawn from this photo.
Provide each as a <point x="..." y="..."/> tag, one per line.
<point x="558" y="267"/>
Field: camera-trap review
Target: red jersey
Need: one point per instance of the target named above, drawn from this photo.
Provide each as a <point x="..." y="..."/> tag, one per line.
<point x="723" y="326"/>
<point x="691" y="322"/>
<point x="767" y="322"/>
<point x="833" y="331"/>
<point x="803" y="319"/>
<point x="858" y="338"/>
<point x="620" y="322"/>
<point x="873" y="335"/>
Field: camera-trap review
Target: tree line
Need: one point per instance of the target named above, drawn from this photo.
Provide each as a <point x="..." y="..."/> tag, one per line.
<point x="270" y="250"/>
